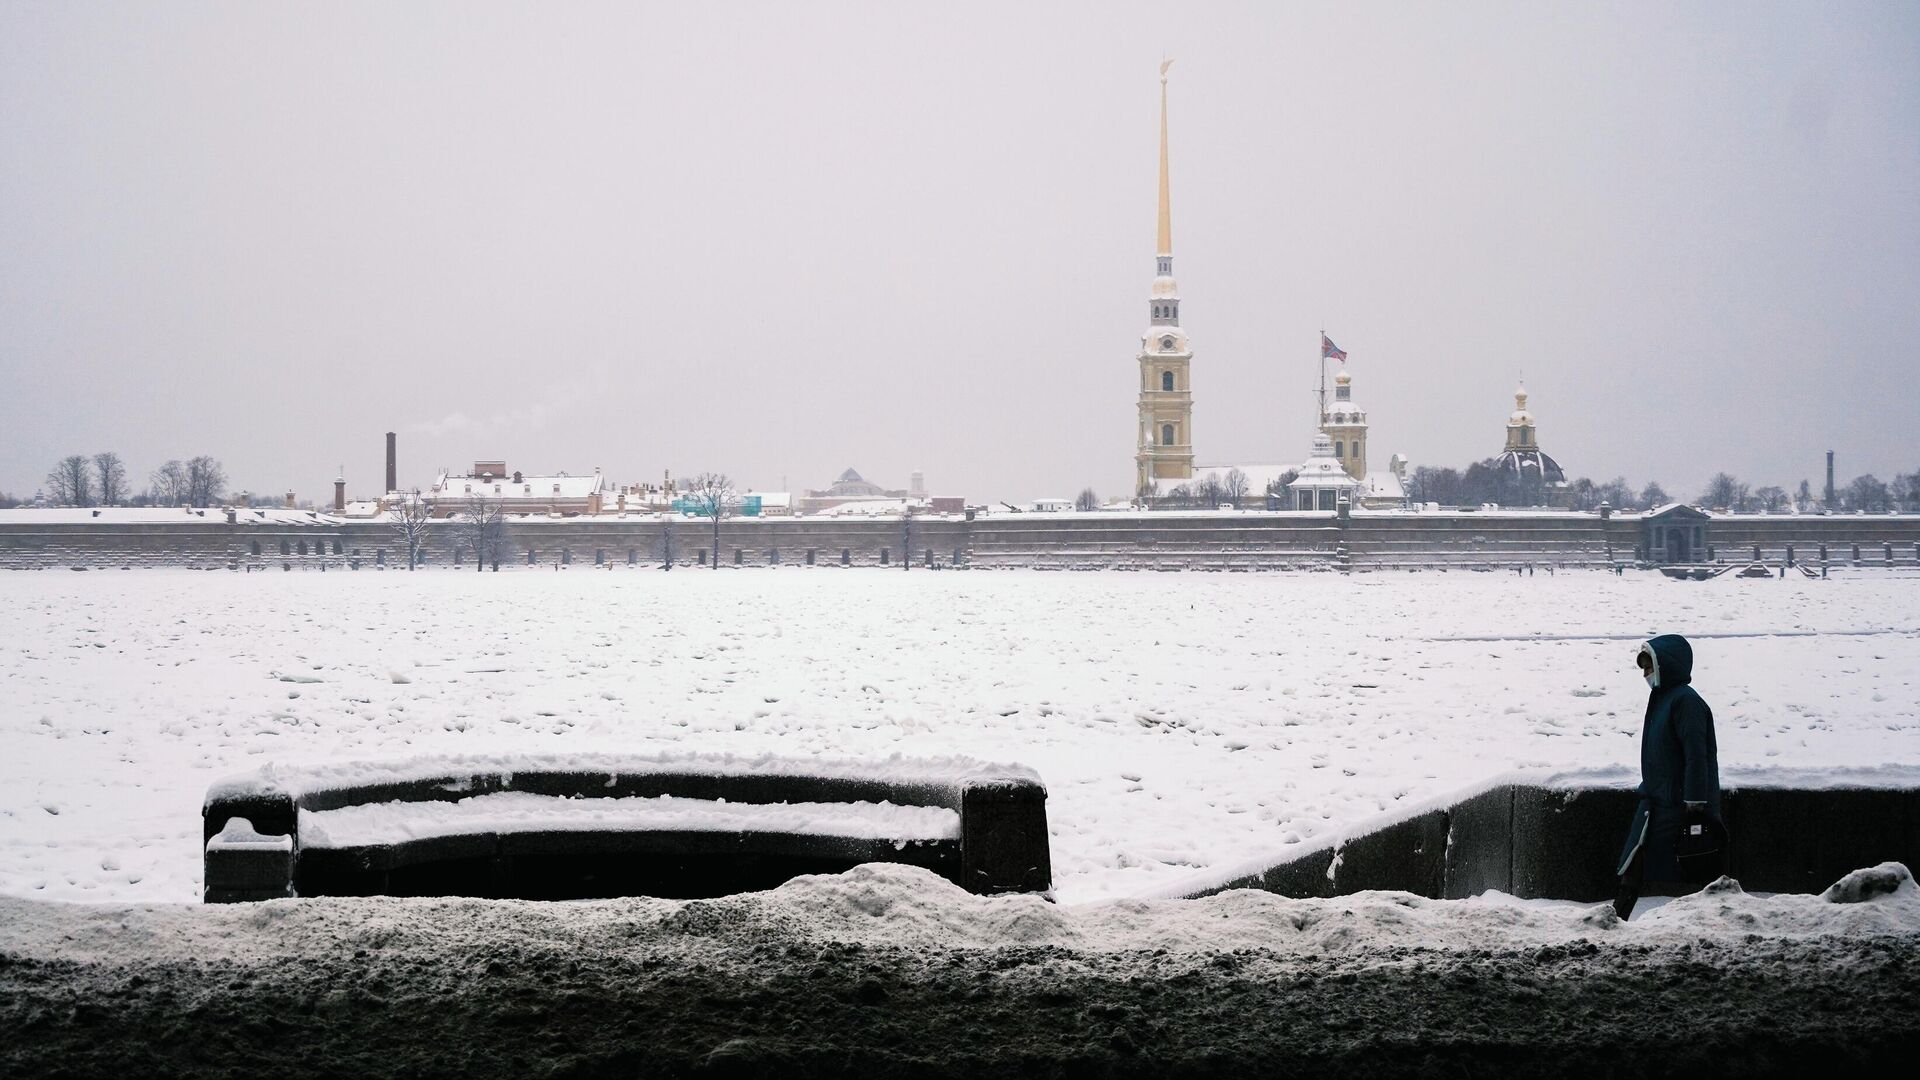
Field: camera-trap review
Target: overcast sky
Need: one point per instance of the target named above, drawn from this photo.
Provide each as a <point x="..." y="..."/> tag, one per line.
<point x="778" y="240"/>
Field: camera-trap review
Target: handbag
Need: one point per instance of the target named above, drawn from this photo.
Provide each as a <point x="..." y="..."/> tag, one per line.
<point x="1701" y="848"/>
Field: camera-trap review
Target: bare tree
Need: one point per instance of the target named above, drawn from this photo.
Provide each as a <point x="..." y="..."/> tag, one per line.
<point x="482" y="527"/>
<point x="1235" y="486"/>
<point x="70" y="482"/>
<point x="711" y="495"/>
<point x="169" y="484"/>
<point x="411" y="519"/>
<point x="1867" y="493"/>
<point x="1653" y="496"/>
<point x="1770" y="497"/>
<point x="1086" y="500"/>
<point x="110" y="474"/>
<point x="1211" y="491"/>
<point x="1723" y="491"/>
<point x="1616" y="493"/>
<point x="1906" y="489"/>
<point x="206" y="481"/>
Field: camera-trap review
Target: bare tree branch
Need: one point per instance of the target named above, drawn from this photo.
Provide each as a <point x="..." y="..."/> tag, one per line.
<point x="711" y="495"/>
<point x="410" y="522"/>
<point x="70" y="482"/>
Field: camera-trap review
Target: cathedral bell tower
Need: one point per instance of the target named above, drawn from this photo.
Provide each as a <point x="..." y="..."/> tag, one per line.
<point x="1166" y="396"/>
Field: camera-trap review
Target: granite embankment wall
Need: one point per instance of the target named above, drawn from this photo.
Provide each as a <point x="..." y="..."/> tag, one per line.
<point x="1555" y="841"/>
<point x="1250" y="540"/>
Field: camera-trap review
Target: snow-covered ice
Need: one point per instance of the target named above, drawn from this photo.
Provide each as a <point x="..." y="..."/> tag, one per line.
<point x="1181" y="721"/>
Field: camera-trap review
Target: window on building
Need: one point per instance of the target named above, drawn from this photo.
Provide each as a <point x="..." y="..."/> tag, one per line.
<point x="846" y="556"/>
<point x="285" y="548"/>
<point x="599" y="556"/>
<point x="810" y="554"/>
<point x="1303" y="499"/>
<point x="773" y="556"/>
<point x="256" y="547"/>
<point x="532" y="556"/>
<point x="566" y="556"/>
<point x="633" y="556"/>
<point x="702" y="557"/>
<point x="738" y="555"/>
<point x="1339" y="448"/>
<point x="1327" y="498"/>
<point x="886" y="554"/>
<point x="336" y="547"/>
<point x="1166" y="434"/>
<point x="1166" y="380"/>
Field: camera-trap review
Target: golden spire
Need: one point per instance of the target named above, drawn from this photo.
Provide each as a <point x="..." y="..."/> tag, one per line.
<point x="1166" y="200"/>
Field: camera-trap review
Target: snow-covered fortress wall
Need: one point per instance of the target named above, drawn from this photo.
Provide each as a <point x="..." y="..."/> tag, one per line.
<point x="1228" y="540"/>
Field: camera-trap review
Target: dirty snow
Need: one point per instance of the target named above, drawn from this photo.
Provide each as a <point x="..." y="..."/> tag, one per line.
<point x="1180" y="721"/>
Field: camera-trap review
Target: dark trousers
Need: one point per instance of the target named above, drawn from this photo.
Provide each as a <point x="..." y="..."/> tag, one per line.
<point x="1631" y="881"/>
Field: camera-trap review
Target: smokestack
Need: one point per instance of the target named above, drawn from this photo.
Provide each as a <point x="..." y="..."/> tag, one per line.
<point x="340" y="491"/>
<point x="1829" y="478"/>
<point x="393" y="472"/>
<point x="289" y="500"/>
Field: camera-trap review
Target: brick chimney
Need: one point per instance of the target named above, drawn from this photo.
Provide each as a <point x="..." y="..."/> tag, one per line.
<point x="393" y="471"/>
<point x="340" y="491"/>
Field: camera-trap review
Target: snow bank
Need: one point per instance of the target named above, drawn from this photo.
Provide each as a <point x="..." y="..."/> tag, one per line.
<point x="908" y="907"/>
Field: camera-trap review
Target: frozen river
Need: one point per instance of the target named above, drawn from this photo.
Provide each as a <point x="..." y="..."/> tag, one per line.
<point x="1181" y="721"/>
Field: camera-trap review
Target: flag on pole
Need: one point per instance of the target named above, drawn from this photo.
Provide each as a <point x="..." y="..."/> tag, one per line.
<point x="1329" y="349"/>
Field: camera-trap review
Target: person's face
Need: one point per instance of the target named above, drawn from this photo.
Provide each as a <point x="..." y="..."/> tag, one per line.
<point x="1646" y="665"/>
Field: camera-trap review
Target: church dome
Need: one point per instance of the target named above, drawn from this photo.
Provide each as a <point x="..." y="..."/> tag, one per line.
<point x="1534" y="467"/>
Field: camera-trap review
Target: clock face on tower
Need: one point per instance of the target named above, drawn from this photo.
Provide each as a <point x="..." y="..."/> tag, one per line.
<point x="1166" y="343"/>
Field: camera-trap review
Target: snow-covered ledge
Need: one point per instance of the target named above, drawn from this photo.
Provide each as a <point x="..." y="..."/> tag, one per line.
<point x="597" y="824"/>
<point x="1557" y="835"/>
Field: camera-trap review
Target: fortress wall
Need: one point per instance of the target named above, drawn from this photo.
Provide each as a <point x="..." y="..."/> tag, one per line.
<point x="1158" y="541"/>
<point x="1883" y="539"/>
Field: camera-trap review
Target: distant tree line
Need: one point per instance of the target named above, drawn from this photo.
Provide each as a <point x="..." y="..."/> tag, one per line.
<point x="1489" y="482"/>
<point x="101" y="480"/>
<point x="1866" y="492"/>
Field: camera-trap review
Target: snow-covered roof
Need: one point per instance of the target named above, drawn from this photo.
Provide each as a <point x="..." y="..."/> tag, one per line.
<point x="868" y="508"/>
<point x="539" y="488"/>
<point x="1323" y="470"/>
<point x="162" y="515"/>
<point x="1383" y="485"/>
<point x="1258" y="476"/>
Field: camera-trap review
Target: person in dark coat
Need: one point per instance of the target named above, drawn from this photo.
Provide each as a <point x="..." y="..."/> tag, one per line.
<point x="1679" y="769"/>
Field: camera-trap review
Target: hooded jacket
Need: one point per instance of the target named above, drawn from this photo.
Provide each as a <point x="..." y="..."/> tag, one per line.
<point x="1679" y="762"/>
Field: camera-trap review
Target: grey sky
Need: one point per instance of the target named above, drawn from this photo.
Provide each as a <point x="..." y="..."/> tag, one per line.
<point x="780" y="240"/>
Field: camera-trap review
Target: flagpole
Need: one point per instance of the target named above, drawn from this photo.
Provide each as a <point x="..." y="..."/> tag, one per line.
<point x="1321" y="417"/>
